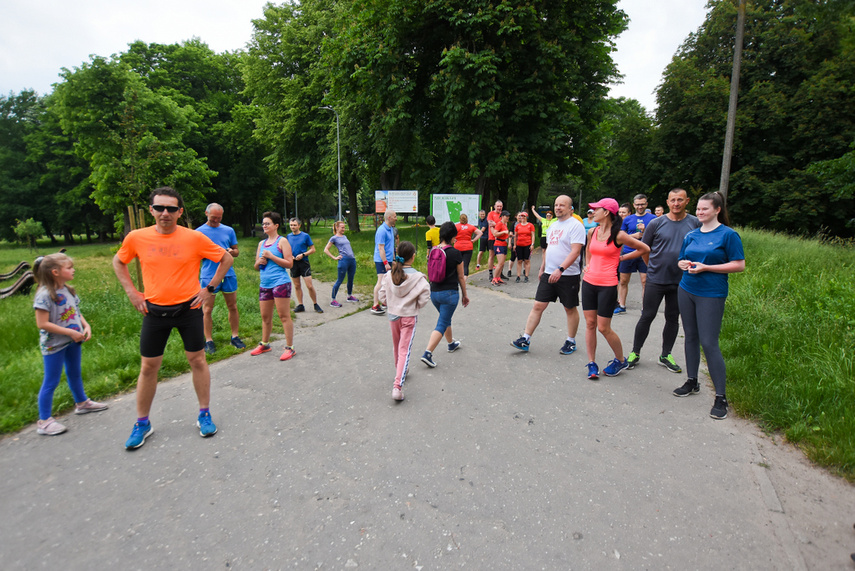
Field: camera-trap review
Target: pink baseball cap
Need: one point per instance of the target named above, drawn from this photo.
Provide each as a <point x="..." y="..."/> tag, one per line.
<point x="609" y="204"/>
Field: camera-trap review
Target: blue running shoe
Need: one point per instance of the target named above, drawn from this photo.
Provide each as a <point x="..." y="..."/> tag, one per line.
<point x="593" y="371"/>
<point x="206" y="425"/>
<point x="568" y="347"/>
<point x="427" y="359"/>
<point x="140" y="433"/>
<point x="620" y="309"/>
<point x="453" y="346"/>
<point x="615" y="367"/>
<point x="520" y="344"/>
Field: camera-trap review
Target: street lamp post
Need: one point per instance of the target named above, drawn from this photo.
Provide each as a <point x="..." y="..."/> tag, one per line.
<point x="338" y="152"/>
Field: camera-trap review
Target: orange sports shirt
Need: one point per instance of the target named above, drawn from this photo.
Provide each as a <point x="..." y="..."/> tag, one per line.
<point x="170" y="262"/>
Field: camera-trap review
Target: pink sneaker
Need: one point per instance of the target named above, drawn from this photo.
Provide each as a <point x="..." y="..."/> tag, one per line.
<point x="334" y="303"/>
<point x="89" y="406"/>
<point x="352" y="299"/>
<point x="287" y="354"/>
<point x="49" y="427"/>
<point x="262" y="348"/>
<point x="397" y="393"/>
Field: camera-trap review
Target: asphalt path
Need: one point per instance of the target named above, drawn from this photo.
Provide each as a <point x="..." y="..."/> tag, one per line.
<point x="496" y="459"/>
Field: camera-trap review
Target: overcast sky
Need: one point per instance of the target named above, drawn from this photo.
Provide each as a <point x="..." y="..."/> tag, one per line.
<point x="39" y="37"/>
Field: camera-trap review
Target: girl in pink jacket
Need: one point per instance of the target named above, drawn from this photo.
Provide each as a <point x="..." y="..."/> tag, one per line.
<point x="405" y="291"/>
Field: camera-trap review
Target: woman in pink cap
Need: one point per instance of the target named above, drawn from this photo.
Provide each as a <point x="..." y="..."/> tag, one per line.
<point x="600" y="281"/>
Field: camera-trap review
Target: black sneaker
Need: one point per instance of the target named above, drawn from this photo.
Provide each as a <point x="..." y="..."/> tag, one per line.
<point x="719" y="409"/>
<point x="299" y="309"/>
<point x="318" y="309"/>
<point x="690" y="387"/>
<point x="518" y="279"/>
<point x="210" y="348"/>
<point x="237" y="343"/>
<point x="526" y="279"/>
<point x="491" y="275"/>
<point x="568" y="348"/>
<point x="503" y="276"/>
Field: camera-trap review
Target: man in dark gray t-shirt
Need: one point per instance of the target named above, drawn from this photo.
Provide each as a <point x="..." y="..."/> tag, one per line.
<point x="665" y="236"/>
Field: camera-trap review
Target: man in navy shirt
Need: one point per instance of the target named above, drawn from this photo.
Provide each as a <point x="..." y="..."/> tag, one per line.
<point x="634" y="225"/>
<point x="301" y="248"/>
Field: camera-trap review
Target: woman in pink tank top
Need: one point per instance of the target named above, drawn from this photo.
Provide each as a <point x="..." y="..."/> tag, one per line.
<point x="600" y="281"/>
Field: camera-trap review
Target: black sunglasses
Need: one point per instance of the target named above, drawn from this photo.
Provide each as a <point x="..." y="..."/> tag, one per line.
<point x="161" y="208"/>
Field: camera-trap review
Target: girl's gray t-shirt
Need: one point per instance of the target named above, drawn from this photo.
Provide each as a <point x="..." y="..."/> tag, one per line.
<point x="65" y="312"/>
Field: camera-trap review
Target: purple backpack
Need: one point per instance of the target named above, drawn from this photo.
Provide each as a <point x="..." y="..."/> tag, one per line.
<point x="436" y="264"/>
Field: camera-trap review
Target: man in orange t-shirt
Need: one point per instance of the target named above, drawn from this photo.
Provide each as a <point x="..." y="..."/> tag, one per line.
<point x="170" y="256"/>
<point x="493" y="218"/>
<point x="500" y="245"/>
<point x="523" y="232"/>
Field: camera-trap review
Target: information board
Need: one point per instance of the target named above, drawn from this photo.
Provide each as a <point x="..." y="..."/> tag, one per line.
<point x="449" y="207"/>
<point x="402" y="201"/>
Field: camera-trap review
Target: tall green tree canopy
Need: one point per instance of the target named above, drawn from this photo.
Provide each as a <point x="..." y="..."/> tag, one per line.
<point x="795" y="108"/>
<point x="132" y="137"/>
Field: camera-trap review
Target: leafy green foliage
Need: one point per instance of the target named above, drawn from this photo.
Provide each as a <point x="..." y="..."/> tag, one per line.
<point x="795" y="109"/>
<point x="28" y="231"/>
<point x="132" y="137"/>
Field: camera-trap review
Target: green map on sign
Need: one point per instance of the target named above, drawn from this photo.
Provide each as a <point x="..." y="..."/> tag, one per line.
<point x="454" y="209"/>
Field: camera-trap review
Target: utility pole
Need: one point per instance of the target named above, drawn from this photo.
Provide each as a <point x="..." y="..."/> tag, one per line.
<point x="731" y="108"/>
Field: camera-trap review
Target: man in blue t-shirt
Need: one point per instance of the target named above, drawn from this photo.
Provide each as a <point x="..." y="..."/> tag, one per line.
<point x="223" y="236"/>
<point x="301" y="248"/>
<point x="384" y="254"/>
<point x="634" y="225"/>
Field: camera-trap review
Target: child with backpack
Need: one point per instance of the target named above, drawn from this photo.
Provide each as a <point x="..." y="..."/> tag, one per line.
<point x="405" y="291"/>
<point x="445" y="272"/>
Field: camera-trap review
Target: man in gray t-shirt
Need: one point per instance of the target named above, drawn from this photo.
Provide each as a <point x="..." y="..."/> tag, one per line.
<point x="665" y="236"/>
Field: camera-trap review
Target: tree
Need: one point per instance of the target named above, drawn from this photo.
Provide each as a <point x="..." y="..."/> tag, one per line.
<point x="627" y="134"/>
<point x="132" y="138"/>
<point x="795" y="109"/>
<point x="286" y="82"/>
<point x="18" y="178"/>
<point x="192" y="75"/>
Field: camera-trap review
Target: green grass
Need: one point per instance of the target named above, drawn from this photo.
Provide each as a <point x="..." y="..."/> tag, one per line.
<point x="788" y="339"/>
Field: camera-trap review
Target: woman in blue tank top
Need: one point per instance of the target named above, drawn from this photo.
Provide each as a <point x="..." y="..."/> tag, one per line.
<point x="272" y="260"/>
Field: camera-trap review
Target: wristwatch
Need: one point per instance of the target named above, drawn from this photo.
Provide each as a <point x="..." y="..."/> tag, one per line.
<point x="210" y="288"/>
<point x="562" y="268"/>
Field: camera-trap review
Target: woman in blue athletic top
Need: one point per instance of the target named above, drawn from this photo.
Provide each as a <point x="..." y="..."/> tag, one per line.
<point x="708" y="254"/>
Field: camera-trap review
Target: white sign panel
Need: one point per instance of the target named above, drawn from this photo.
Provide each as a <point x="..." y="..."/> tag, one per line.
<point x="449" y="207"/>
<point x="403" y="201"/>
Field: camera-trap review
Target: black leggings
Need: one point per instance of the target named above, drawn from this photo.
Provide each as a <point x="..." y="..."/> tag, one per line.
<point x="653" y="295"/>
<point x="467" y="257"/>
<point x="702" y="325"/>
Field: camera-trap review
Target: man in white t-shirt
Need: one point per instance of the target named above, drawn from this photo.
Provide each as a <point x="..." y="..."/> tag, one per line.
<point x="559" y="275"/>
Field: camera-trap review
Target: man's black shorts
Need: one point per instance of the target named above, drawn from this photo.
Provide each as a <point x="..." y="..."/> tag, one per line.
<point x="155" y="330"/>
<point x="301" y="269"/>
<point x="522" y="252"/>
<point x="565" y="289"/>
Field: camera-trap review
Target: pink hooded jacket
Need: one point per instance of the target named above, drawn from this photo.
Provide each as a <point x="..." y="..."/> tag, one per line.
<point x="406" y="299"/>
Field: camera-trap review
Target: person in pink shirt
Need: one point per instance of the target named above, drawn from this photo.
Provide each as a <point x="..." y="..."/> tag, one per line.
<point x="600" y="282"/>
<point x="405" y="291"/>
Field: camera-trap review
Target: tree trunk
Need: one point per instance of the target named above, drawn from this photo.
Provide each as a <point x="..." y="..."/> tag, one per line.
<point x="353" y="204"/>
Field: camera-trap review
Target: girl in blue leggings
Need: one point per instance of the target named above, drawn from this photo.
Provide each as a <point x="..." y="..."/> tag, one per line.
<point x="62" y="330"/>
<point x="708" y="255"/>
